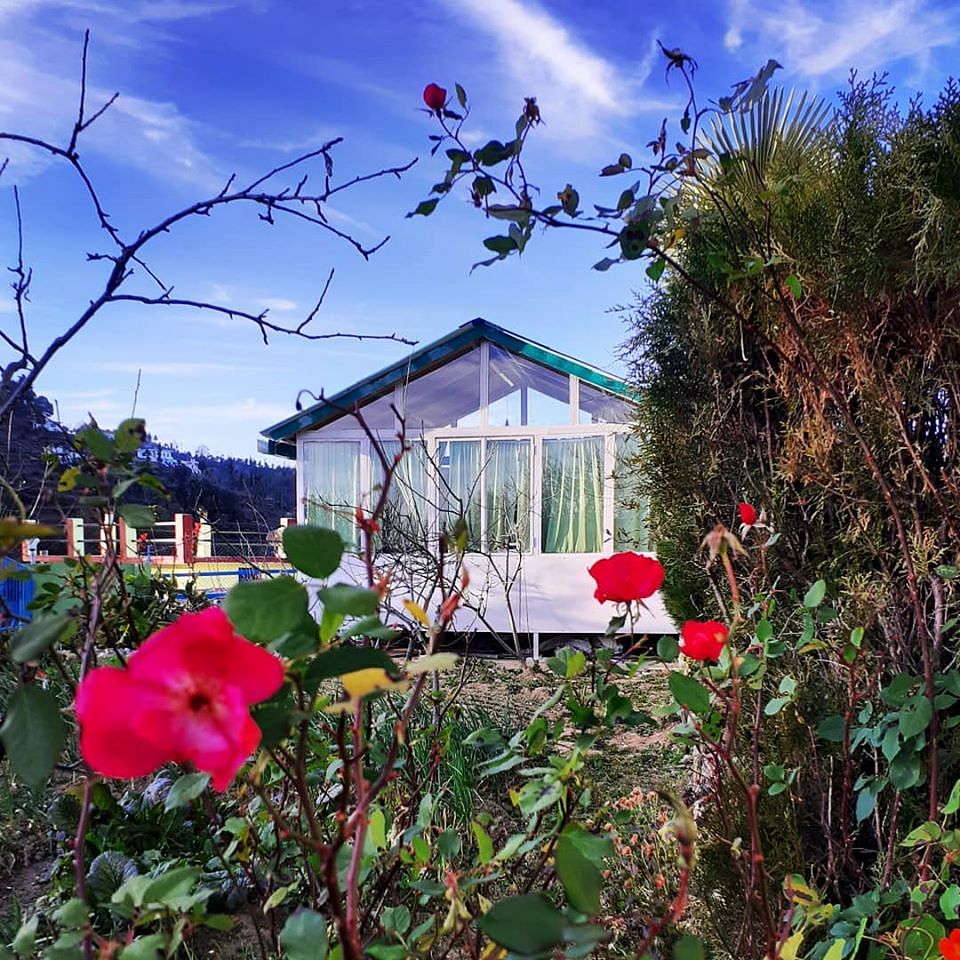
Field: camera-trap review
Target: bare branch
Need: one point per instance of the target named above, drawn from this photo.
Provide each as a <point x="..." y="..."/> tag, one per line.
<point x="291" y="201"/>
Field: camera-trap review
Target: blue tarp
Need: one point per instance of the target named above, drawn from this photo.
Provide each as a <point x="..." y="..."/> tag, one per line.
<point x="16" y="594"/>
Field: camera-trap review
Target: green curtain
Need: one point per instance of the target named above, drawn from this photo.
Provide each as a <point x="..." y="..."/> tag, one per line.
<point x="507" y="491"/>
<point x="405" y="516"/>
<point x="460" y="486"/>
<point x="572" y="511"/>
<point x="332" y="485"/>
<point x="631" y="510"/>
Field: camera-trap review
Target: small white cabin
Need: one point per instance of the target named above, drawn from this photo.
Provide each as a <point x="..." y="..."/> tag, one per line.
<point x="527" y="446"/>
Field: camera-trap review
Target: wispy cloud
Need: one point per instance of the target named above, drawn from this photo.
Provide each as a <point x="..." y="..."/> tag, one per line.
<point x="580" y="91"/>
<point x="279" y="304"/>
<point x="39" y="64"/>
<point x="175" y="368"/>
<point x="826" y="39"/>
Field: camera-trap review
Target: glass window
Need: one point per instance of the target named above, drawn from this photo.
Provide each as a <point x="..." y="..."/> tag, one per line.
<point x="572" y="511"/>
<point x="447" y="397"/>
<point x="378" y="416"/>
<point x="405" y="521"/>
<point x="507" y="492"/>
<point x="631" y="509"/>
<point x="522" y="392"/>
<point x="459" y="481"/>
<point x="598" y="406"/>
<point x="331" y="482"/>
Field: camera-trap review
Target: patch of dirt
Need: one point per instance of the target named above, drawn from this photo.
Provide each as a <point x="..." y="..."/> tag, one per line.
<point x="25" y="883"/>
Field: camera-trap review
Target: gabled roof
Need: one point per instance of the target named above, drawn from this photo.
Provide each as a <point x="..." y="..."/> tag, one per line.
<point x="280" y="436"/>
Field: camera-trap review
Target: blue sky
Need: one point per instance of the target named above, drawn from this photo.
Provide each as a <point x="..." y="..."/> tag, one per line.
<point x="213" y="87"/>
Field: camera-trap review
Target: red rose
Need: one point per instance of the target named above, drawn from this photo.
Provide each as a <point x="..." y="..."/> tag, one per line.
<point x="625" y="577"/>
<point x="950" y="946"/>
<point x="434" y="97"/>
<point x="184" y="696"/>
<point x="703" y="641"/>
<point x="748" y="514"/>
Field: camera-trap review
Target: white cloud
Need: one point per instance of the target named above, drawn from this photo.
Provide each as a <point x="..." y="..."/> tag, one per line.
<point x="279" y="304"/>
<point x="169" y="368"/>
<point x="579" y="91"/>
<point x="39" y="87"/>
<point x="826" y="39"/>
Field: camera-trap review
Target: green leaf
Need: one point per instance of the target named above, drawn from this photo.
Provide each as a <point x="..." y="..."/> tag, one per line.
<point x="947" y="571"/>
<point x="655" y="270"/>
<point x="97" y="443"/>
<point x="953" y="801"/>
<point x="831" y="729"/>
<point x="866" y="804"/>
<point x="689" y="693"/>
<point x="370" y="627"/>
<point x="107" y="873"/>
<point x="928" y="832"/>
<point x="500" y="245"/>
<point x="494" y="152"/>
<point x="668" y="648"/>
<point x="605" y="264"/>
<point x="145" y="948"/>
<point x="906" y="770"/>
<point x="33" y="733"/>
<point x="528" y="925"/>
<point x="448" y="843"/>
<point x="264" y="610"/>
<point x="186" y="789"/>
<point x="304" y="936"/>
<point x="26" y="937"/>
<point x="793" y="283"/>
<point x="170" y="885"/>
<point x="73" y="914"/>
<point x="688" y="947"/>
<point x="580" y="876"/>
<point x="922" y="940"/>
<point x="349" y="600"/>
<point x="129" y="436"/>
<point x="425" y="207"/>
<point x="915" y="716"/>
<point x="138" y="515"/>
<point x="335" y="663"/>
<point x="461" y="96"/>
<point x="315" y="551"/>
<point x="836" y="950"/>
<point x="950" y="902"/>
<point x="27" y="644"/>
<point x="814" y="596"/>
<point x="484" y="843"/>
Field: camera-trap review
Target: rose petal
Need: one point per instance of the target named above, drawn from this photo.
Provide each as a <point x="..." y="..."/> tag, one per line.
<point x="108" y="703"/>
<point x="205" y="644"/>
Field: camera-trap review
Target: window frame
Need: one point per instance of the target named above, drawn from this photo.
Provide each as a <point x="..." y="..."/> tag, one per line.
<point x="369" y="469"/>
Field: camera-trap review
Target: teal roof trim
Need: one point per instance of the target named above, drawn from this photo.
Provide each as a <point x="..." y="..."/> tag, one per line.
<point x="279" y="435"/>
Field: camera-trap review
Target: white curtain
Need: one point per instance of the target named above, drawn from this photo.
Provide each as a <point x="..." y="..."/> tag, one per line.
<point x="332" y="485"/>
<point x="507" y="490"/>
<point x="460" y="486"/>
<point x="631" y="510"/>
<point x="405" y="517"/>
<point x="572" y="511"/>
